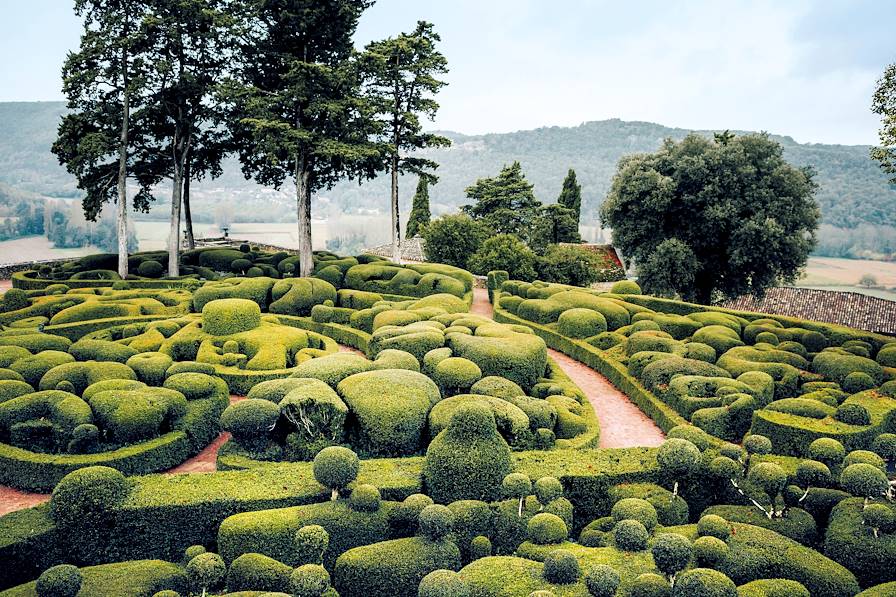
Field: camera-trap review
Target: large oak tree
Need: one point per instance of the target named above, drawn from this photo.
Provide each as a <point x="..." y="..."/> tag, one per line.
<point x="727" y="215"/>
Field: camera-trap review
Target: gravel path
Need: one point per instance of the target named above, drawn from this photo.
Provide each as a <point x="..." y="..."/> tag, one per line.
<point x="622" y="424"/>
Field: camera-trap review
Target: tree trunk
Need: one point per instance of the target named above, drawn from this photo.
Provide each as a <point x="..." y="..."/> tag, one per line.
<point x="188" y="217"/>
<point x="396" y="221"/>
<point x="122" y="187"/>
<point x="177" y="187"/>
<point x="303" y="200"/>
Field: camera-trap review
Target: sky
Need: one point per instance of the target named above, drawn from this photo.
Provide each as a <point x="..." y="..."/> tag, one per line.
<point x="801" y="68"/>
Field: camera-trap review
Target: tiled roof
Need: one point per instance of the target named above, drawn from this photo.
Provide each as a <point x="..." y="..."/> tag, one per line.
<point x="851" y="309"/>
<point x="412" y="249"/>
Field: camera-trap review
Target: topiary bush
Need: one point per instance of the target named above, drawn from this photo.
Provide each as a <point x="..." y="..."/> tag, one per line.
<point x="545" y="528"/>
<point x="309" y="580"/>
<point x="335" y="467"/>
<point x="671" y="553"/>
<point x="602" y="581"/>
<point x="365" y="498"/>
<point x="63" y="580"/>
<point x="205" y="572"/>
<point x="635" y="509"/>
<point x="443" y="583"/>
<point x="436" y="522"/>
<point x="630" y="535"/>
<point x="561" y="567"/>
<point x="704" y="582"/>
<point x="581" y="323"/>
<point x="311" y="542"/>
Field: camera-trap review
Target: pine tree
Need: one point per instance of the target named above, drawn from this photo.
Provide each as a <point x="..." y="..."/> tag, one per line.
<point x="507" y="204"/>
<point x="101" y="141"/>
<point x="420" y="214"/>
<point x="400" y="82"/>
<point x="296" y="105"/>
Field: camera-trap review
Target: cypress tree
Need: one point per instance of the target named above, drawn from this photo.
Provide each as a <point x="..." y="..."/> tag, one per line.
<point x="571" y="195"/>
<point x="420" y="215"/>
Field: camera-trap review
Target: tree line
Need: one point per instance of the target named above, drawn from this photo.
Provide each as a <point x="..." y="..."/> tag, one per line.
<point x="163" y="90"/>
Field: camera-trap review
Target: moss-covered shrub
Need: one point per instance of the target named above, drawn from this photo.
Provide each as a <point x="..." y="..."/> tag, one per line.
<point x="630" y="535"/>
<point x="545" y="528"/>
<point x="704" y="582"/>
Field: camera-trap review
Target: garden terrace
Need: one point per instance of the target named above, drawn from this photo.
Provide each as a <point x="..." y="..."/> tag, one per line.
<point x="448" y="454"/>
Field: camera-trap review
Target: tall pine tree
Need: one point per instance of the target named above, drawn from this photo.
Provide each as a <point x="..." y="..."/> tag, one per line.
<point x="420" y="214"/>
<point x="507" y="204"/>
<point x="295" y="103"/>
<point x="571" y="196"/>
<point x="401" y="77"/>
<point x="102" y="139"/>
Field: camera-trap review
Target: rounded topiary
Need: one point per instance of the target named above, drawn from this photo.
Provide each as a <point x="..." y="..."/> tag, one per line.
<point x="671" y="553"/>
<point x="468" y="459"/>
<point x="150" y="269"/>
<point x="866" y="456"/>
<point x="335" y="467"/>
<point x="710" y="551"/>
<point x="85" y="439"/>
<point x="852" y="414"/>
<point x="649" y="585"/>
<point x="193" y="551"/>
<point x="63" y="580"/>
<point x="365" y="498"/>
<point x="827" y="450"/>
<point x="767" y="338"/>
<point x="857" y="382"/>
<point x="704" y="582"/>
<point x="480" y="547"/>
<point x="757" y="444"/>
<point x="602" y="581"/>
<point x="561" y="567"/>
<point x="630" y="535"/>
<point x="884" y="445"/>
<point x="625" y="287"/>
<point x="250" y="421"/>
<point x="309" y="580"/>
<point x="517" y="486"/>
<point x="443" y="583"/>
<point x="405" y="515"/>
<point x="436" y="521"/>
<point x="547" y="489"/>
<point x="724" y="468"/>
<point x="223" y="317"/>
<point x="66" y="386"/>
<point x="770" y="477"/>
<point x="456" y="373"/>
<point x="88" y="494"/>
<point x="239" y="266"/>
<point x="812" y="473"/>
<point x="167" y="593"/>
<point x="581" y="323"/>
<point x="864" y="480"/>
<point x="545" y="528"/>
<point x="254" y="272"/>
<point x="713" y="525"/>
<point x="635" y="509"/>
<point x="879" y="517"/>
<point x="206" y="571"/>
<point x="311" y="541"/>
<point x="677" y="457"/>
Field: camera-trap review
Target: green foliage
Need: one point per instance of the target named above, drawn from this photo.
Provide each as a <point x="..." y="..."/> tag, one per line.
<point x="504" y="252"/>
<point x="704" y="582"/>
<point x="671" y="552"/>
<point x="335" y="467"/>
<point x="311" y="542"/>
<point x="864" y="480"/>
<point x="545" y="528"/>
<point x="436" y="522"/>
<point x="602" y="581"/>
<point x="206" y="571"/>
<point x="63" y="580"/>
<point x="506" y="204"/>
<point x="630" y="535"/>
<point x="561" y="567"/>
<point x="577" y="266"/>
<point x="250" y="421"/>
<point x="84" y="497"/>
<point x="468" y="459"/>
<point x="884" y="104"/>
<point x="581" y="323"/>
<point x="443" y="583"/>
<point x="709" y="551"/>
<point x="453" y="239"/>
<point x="420" y="215"/>
<point x="781" y="222"/>
<point x="365" y="498"/>
<point x="635" y="509"/>
<point x="257" y="572"/>
<point x="309" y="580"/>
<point x="713" y="525"/>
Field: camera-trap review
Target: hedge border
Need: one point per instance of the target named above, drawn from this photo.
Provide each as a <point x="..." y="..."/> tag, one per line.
<point x="25" y="282"/>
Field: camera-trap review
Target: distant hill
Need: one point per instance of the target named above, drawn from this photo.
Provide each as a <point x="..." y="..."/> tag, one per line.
<point x="853" y="190"/>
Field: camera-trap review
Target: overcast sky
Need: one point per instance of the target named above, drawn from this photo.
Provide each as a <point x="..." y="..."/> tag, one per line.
<point x="799" y="68"/>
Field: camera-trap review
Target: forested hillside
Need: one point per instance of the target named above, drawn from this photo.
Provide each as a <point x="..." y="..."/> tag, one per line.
<point x="852" y="191"/>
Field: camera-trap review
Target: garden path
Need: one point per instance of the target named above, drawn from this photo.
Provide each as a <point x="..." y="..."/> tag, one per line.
<point x="622" y="424"/>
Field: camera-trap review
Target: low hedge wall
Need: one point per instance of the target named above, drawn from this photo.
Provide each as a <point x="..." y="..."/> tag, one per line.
<point x="77" y="329"/>
<point x="663" y="415"/>
<point x="35" y="471"/>
<point x="140" y="577"/>
<point x="26" y="282"/>
<point x="342" y="334"/>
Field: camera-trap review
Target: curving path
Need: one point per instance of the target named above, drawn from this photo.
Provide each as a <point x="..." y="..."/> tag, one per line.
<point x="622" y="424"/>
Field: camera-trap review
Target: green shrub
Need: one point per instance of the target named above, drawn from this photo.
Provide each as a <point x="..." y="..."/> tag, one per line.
<point x="625" y="287"/>
<point x="504" y="252"/>
<point x="297" y="296"/>
<point x="581" y="323"/>
<point x="713" y="525"/>
<point x="206" y="571"/>
<point x="456" y="374"/>
<point x="671" y="553"/>
<point x="772" y="587"/>
<point x="710" y="551"/>
<point x="468" y="459"/>
<point x="545" y="528"/>
<point x="635" y="509"/>
<point x="335" y="467"/>
<point x="394" y="567"/>
<point x="521" y="358"/>
<point x="224" y="317"/>
<point x="864" y="480"/>
<point x="577" y="266"/>
<point x="63" y="580"/>
<point x="365" y="498"/>
<point x="257" y="572"/>
<point x="513" y="423"/>
<point x="704" y="582"/>
<point x="837" y="366"/>
<point x="828" y="451"/>
<point x="389" y="410"/>
<point x="150" y="367"/>
<point x="250" y="421"/>
<point x="630" y="535"/>
<point x="852" y="414"/>
<point x="150" y="269"/>
<point x="86" y="496"/>
<point x="333" y="368"/>
<point x="499" y="387"/>
<point x="561" y="567"/>
<point x="602" y="581"/>
<point x="436" y="522"/>
<point x="443" y="583"/>
<point x="866" y="456"/>
<point x="311" y="542"/>
<point x="650" y="585"/>
<point x="309" y="580"/>
<point x="480" y="547"/>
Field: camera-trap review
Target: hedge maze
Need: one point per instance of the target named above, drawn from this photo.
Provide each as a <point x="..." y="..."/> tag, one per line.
<point x="447" y="455"/>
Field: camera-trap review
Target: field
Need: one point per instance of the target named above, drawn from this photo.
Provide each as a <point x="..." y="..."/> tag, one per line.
<point x="36" y="248"/>
<point x="829" y="273"/>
